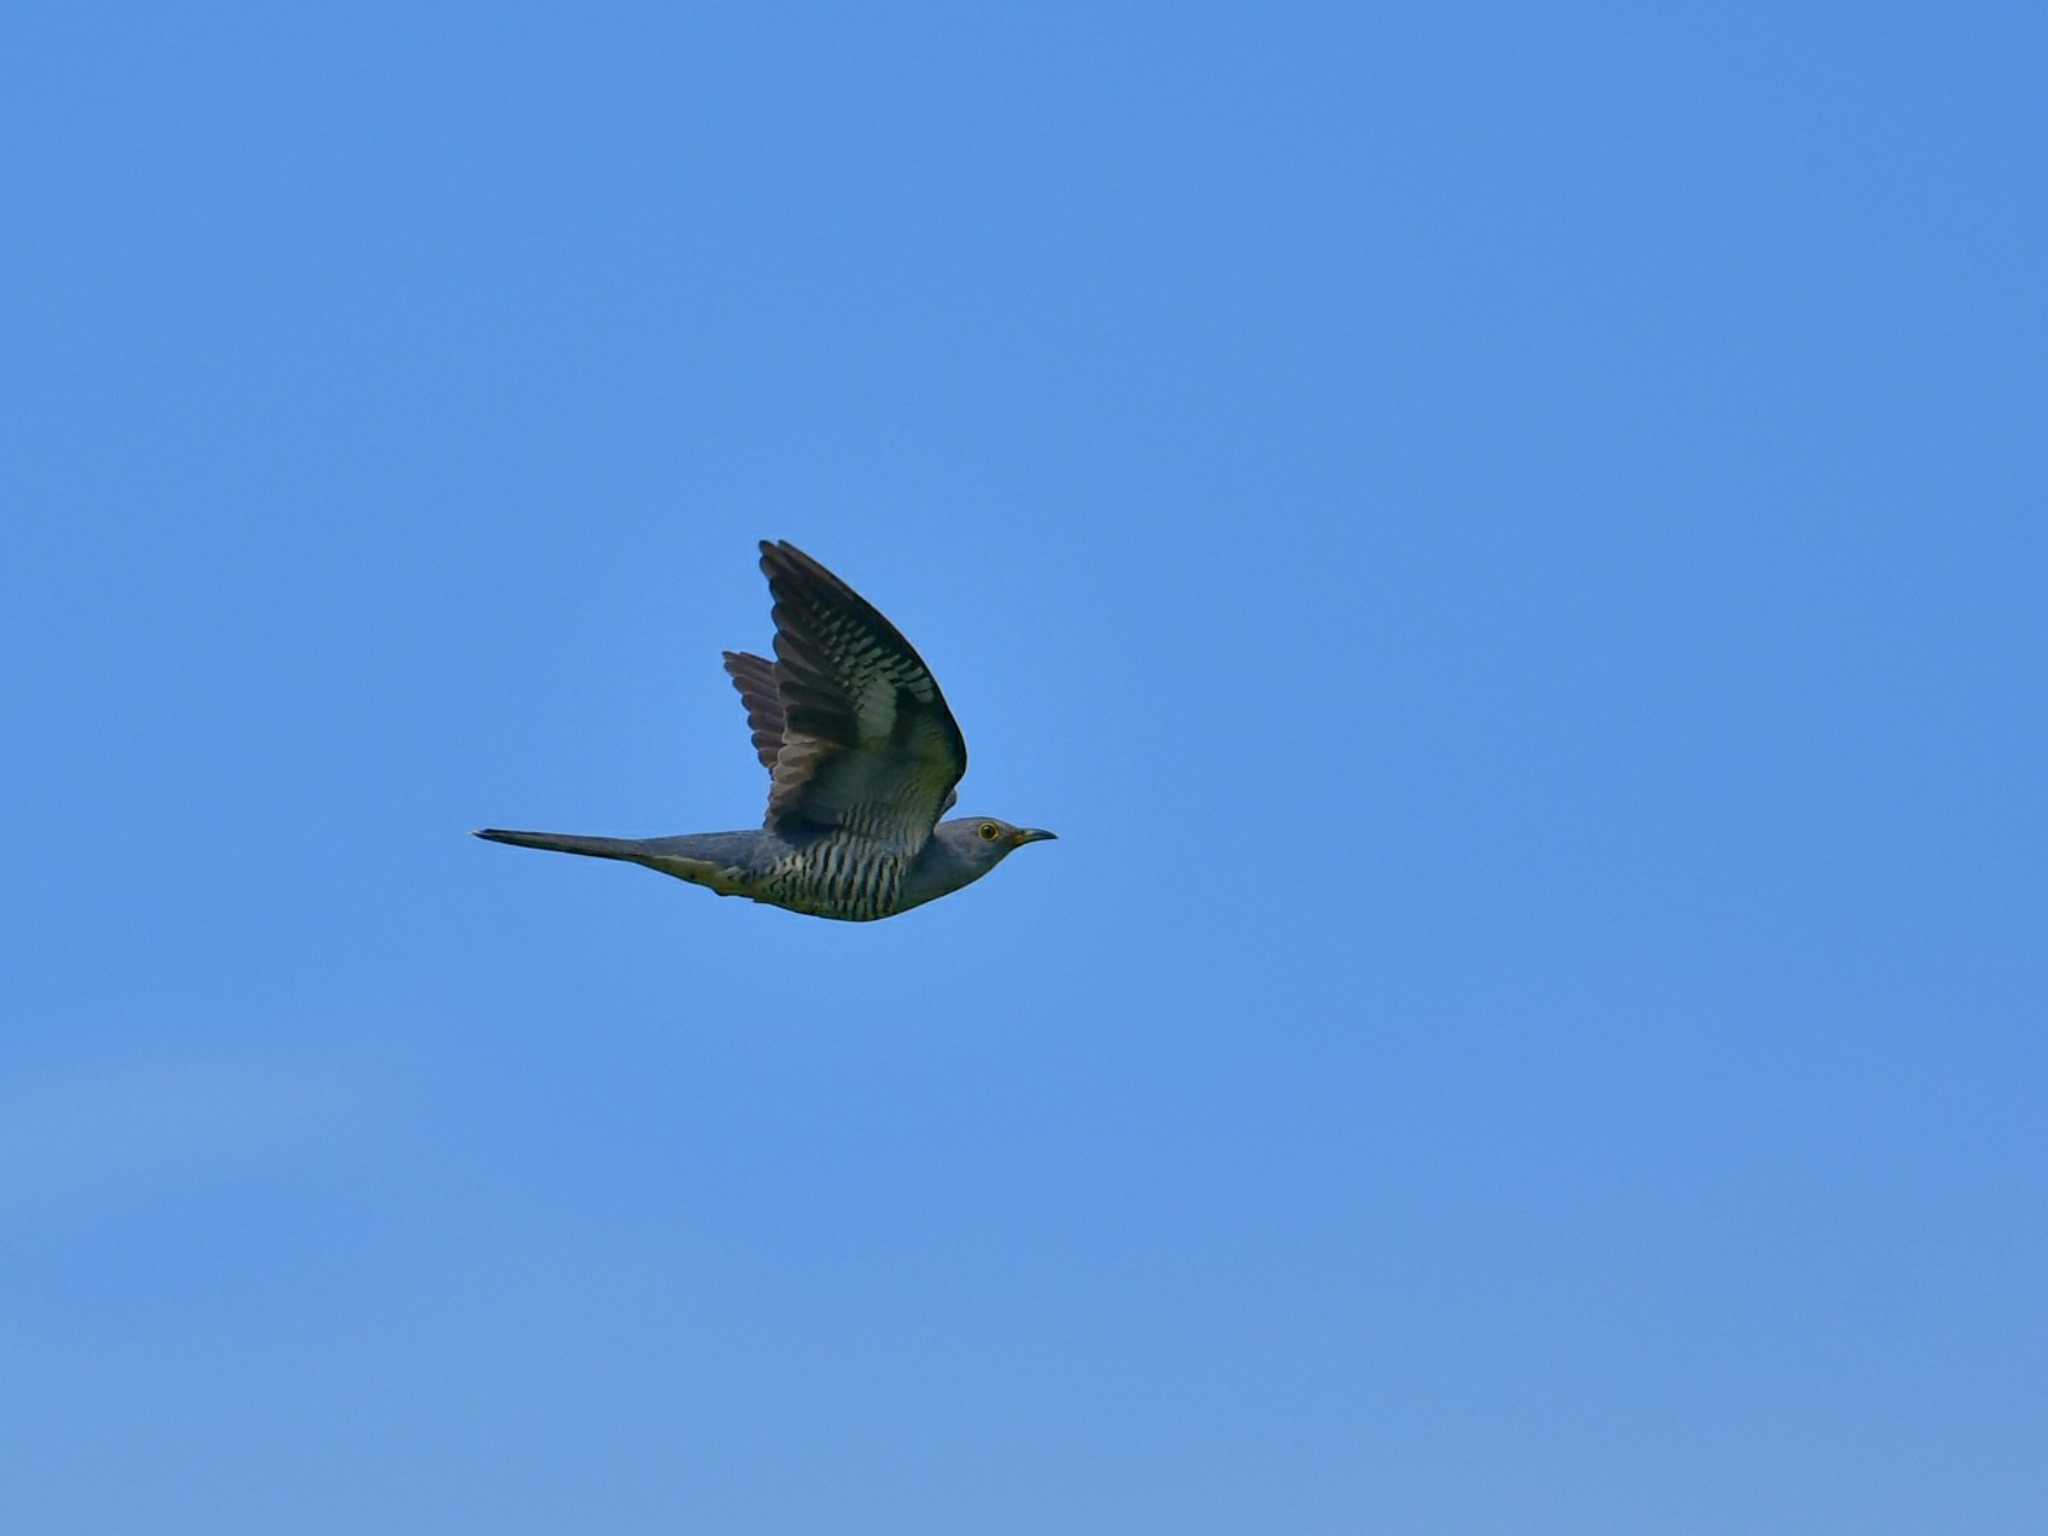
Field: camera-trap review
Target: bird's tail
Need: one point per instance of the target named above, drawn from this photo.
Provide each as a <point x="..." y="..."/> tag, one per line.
<point x="724" y="871"/>
<point x="563" y="842"/>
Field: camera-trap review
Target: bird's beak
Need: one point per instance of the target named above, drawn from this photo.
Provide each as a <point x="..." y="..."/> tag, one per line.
<point x="1034" y="835"/>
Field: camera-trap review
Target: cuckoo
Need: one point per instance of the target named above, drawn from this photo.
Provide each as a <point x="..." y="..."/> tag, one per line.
<point x="862" y="757"/>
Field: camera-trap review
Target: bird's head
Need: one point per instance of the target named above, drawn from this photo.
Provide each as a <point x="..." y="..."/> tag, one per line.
<point x="983" y="842"/>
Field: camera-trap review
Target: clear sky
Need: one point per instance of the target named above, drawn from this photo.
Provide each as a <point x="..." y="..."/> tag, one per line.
<point x="1508" y="541"/>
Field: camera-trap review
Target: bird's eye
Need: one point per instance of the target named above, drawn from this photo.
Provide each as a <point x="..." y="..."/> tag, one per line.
<point x="989" y="831"/>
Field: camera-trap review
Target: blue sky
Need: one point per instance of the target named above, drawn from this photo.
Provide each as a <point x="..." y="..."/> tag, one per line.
<point x="1508" y="543"/>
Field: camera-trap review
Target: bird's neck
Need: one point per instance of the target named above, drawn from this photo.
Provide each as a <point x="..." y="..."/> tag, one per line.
<point x="937" y="871"/>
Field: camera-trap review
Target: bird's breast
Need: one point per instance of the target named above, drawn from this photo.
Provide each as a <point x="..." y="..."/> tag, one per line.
<point x="847" y="877"/>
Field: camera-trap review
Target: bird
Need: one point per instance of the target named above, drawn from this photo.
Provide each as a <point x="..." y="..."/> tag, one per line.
<point x="863" y="757"/>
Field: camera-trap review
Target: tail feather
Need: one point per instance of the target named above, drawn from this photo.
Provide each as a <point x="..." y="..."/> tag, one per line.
<point x="562" y="842"/>
<point x="657" y="854"/>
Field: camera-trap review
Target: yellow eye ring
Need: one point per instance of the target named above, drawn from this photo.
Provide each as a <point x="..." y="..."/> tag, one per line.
<point x="989" y="831"/>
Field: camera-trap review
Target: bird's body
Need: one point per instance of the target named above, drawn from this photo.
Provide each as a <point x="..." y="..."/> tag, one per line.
<point x="862" y="756"/>
<point x="833" y="874"/>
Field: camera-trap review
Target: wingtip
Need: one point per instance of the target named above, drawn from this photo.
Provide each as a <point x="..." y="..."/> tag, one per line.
<point x="785" y="554"/>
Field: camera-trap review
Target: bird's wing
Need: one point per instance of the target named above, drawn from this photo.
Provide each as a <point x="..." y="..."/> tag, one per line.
<point x="866" y="741"/>
<point x="754" y="677"/>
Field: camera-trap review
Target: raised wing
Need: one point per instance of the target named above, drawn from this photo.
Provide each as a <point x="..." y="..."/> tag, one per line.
<point x="865" y="741"/>
<point x="754" y="676"/>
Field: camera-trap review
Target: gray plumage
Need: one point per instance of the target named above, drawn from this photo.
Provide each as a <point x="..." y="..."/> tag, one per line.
<point x="862" y="757"/>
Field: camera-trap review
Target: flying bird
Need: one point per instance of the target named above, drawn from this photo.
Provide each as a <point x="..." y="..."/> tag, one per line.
<point x="862" y="758"/>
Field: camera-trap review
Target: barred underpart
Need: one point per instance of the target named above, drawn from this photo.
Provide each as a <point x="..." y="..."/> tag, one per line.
<point x="839" y="875"/>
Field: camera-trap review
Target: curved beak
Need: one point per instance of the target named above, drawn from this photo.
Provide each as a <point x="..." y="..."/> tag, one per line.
<point x="1034" y="835"/>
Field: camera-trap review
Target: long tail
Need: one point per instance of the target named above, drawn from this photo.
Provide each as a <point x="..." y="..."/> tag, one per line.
<point x="562" y="842"/>
<point x="724" y="874"/>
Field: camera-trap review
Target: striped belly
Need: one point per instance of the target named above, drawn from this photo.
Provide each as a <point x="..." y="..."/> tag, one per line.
<point x="841" y="876"/>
